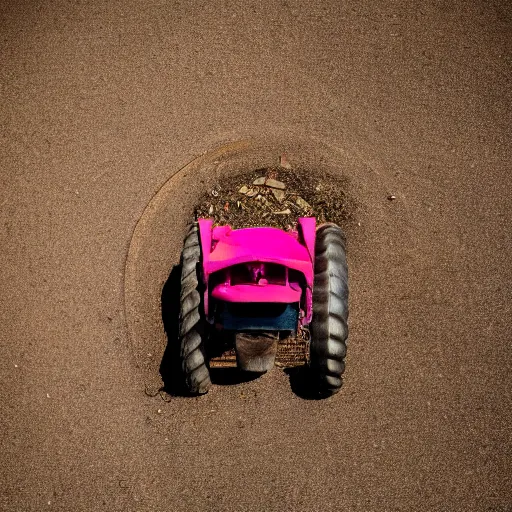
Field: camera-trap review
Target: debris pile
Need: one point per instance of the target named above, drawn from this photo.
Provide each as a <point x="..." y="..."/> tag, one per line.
<point x="275" y="197"/>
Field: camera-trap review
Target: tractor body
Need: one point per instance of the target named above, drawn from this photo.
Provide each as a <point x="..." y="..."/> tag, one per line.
<point x="257" y="287"/>
<point x="257" y="297"/>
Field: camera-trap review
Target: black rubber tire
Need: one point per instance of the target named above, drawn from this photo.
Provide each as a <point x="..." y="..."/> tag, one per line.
<point x="329" y="328"/>
<point x="192" y="322"/>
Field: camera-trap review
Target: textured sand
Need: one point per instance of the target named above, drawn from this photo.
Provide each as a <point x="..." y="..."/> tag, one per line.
<point x="101" y="103"/>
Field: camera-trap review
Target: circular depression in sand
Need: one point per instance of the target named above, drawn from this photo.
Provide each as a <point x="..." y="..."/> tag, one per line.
<point x="157" y="239"/>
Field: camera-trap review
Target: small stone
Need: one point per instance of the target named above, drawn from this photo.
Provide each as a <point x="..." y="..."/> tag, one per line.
<point x="47" y="395"/>
<point x="302" y="203"/>
<point x="164" y="395"/>
<point x="210" y="210"/>
<point x="252" y="192"/>
<point x="284" y="212"/>
<point x="226" y="206"/>
<point x="15" y="366"/>
<point x="159" y="411"/>
<point x="243" y="190"/>
<point x="259" y="181"/>
<point x="285" y="164"/>
<point x="278" y="194"/>
<point x="152" y="389"/>
<point x="275" y="184"/>
<point x="391" y="197"/>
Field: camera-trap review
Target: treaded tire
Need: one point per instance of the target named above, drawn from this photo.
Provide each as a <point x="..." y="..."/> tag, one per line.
<point x="192" y="322"/>
<point x="329" y="328"/>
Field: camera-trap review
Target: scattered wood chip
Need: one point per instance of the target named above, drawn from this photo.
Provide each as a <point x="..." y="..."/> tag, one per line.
<point x="302" y="203"/>
<point x="252" y="192"/>
<point x="275" y="184"/>
<point x="285" y="164"/>
<point x="391" y="197"/>
<point x="278" y="194"/>
<point x="284" y="212"/>
<point x="262" y="199"/>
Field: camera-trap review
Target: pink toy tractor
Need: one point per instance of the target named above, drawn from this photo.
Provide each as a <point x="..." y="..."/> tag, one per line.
<point x="256" y="297"/>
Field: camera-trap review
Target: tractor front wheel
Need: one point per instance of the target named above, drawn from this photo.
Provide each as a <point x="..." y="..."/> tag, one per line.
<point x="192" y="321"/>
<point x="329" y="329"/>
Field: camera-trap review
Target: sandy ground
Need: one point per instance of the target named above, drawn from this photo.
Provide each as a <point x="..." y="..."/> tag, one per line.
<point x="102" y="103"/>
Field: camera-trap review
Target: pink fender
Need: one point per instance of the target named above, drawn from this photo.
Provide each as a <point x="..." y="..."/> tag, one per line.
<point x="223" y="247"/>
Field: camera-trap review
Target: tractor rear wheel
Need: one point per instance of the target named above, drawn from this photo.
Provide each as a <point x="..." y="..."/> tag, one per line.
<point x="329" y="329"/>
<point x="192" y="321"/>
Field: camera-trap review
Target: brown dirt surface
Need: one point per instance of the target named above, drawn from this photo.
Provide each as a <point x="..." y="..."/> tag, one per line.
<point x="257" y="205"/>
<point x="102" y="106"/>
